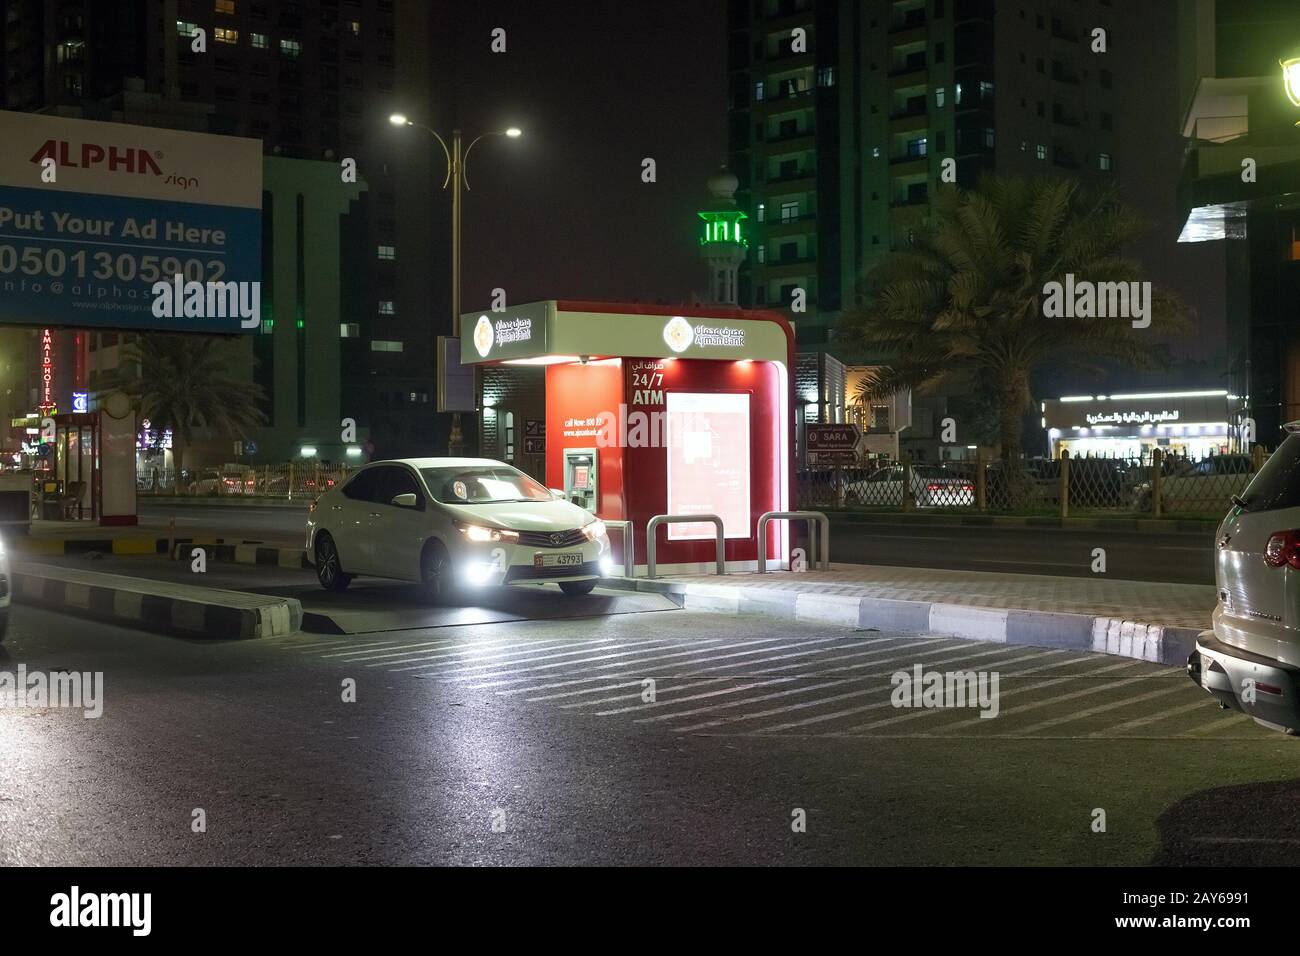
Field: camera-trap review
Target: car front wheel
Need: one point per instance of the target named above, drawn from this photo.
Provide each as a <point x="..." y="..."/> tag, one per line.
<point x="436" y="572"/>
<point x="329" y="571"/>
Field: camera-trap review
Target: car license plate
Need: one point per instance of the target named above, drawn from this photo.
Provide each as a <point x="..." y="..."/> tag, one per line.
<point x="564" y="559"/>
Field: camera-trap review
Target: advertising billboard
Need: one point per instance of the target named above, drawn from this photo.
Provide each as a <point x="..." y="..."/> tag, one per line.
<point x="708" y="462"/>
<point x="93" y="214"/>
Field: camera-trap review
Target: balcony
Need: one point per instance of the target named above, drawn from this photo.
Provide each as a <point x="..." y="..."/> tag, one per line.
<point x="790" y="136"/>
<point x="791" y="176"/>
<point x="1064" y="159"/>
<point x="1061" y="118"/>
<point x="780" y="96"/>
<point x="793" y="226"/>
<point x="916" y="63"/>
<point x="910" y="19"/>
<point x="915" y="107"/>
<point x="1064" y="74"/>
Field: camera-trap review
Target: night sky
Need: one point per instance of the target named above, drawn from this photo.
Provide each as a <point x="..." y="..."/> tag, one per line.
<point x="563" y="212"/>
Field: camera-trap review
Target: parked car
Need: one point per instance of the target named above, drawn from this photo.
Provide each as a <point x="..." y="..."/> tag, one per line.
<point x="932" y="487"/>
<point x="452" y="524"/>
<point x="1205" y="485"/>
<point x="222" y="482"/>
<point x="1250" y="658"/>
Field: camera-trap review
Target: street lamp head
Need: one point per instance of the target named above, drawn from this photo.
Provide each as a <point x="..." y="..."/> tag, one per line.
<point x="514" y="132"/>
<point x="399" y="119"/>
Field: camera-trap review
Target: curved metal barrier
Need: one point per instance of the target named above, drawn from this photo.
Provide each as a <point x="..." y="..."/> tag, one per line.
<point x="657" y="520"/>
<point x="814" y="518"/>
<point x="629" y="545"/>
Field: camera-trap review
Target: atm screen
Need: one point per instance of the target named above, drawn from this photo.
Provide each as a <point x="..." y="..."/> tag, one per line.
<point x="580" y="477"/>
<point x="708" y="462"/>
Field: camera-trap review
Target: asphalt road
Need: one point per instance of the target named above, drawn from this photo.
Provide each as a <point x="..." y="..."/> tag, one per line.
<point x="1175" y="558"/>
<point x="539" y="726"/>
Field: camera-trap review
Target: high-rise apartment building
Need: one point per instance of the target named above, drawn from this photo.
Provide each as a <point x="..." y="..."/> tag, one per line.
<point x="842" y="113"/>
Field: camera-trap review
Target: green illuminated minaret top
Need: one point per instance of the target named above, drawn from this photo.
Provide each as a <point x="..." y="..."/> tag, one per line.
<point x="722" y="219"/>
<point x="724" y="240"/>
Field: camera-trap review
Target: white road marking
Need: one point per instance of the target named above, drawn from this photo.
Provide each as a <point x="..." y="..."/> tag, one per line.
<point x="1099" y="709"/>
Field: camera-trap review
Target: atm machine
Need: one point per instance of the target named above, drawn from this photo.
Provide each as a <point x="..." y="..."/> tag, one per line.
<point x="580" y="477"/>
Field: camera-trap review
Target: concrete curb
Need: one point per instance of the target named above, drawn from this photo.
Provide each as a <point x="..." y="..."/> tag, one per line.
<point x="245" y="554"/>
<point x="135" y="544"/>
<point x="155" y="605"/>
<point x="1154" y="643"/>
<point x="1086" y="523"/>
<point x="227" y="501"/>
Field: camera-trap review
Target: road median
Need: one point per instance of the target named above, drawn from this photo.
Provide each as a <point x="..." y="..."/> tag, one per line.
<point x="182" y="609"/>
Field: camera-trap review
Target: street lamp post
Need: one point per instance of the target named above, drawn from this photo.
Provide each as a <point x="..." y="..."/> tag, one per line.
<point x="456" y="176"/>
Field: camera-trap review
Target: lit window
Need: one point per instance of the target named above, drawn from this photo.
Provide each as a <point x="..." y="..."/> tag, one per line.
<point x="381" y="345"/>
<point x="762" y="211"/>
<point x="224" y="6"/>
<point x="222" y="35"/>
<point x="826" y="76"/>
<point x="290" y="47"/>
<point x="258" y="41"/>
<point x="385" y="307"/>
<point x="1103" y="162"/>
<point x="185" y="28"/>
<point x="940" y="96"/>
<point x="349" y="330"/>
<point x="387" y="253"/>
<point x="268" y="326"/>
<point x="758" y="91"/>
<point x="1040" y="151"/>
<point x="354" y="27"/>
<point x="789" y="211"/>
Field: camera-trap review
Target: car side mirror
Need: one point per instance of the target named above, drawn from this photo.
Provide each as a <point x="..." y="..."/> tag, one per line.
<point x="557" y="493"/>
<point x="408" y="500"/>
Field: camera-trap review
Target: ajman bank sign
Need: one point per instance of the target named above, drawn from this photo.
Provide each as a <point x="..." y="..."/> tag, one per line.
<point x="93" y="214"/>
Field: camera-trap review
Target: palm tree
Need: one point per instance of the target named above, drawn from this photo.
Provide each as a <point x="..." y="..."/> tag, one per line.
<point x="182" y="382"/>
<point x="963" y="306"/>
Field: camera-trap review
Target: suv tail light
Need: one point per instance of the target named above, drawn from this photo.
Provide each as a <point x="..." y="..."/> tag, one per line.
<point x="1283" y="548"/>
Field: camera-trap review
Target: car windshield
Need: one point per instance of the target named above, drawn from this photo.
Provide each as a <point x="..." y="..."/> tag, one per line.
<point x="482" y="484"/>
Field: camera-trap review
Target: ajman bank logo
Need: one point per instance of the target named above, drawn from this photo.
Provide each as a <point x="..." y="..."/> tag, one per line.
<point x="678" y="334"/>
<point x="483" y="335"/>
<point x="127" y="159"/>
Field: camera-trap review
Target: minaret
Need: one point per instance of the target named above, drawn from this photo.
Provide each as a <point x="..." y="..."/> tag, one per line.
<point x="722" y="246"/>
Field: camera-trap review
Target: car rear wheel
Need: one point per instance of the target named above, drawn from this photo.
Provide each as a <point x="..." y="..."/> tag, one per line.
<point x="574" y="588"/>
<point x="329" y="571"/>
<point x="436" y="572"/>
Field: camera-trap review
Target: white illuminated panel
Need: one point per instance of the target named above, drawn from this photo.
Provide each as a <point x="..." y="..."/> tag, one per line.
<point x="708" y="462"/>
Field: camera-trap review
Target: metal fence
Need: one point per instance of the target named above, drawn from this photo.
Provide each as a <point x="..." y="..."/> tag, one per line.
<point x="1154" y="484"/>
<point x="287" y="481"/>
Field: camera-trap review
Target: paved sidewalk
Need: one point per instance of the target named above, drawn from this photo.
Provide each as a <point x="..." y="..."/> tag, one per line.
<point x="1145" y="620"/>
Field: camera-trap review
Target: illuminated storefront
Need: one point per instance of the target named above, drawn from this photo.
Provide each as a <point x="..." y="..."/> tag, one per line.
<point x="1192" y="424"/>
<point x="634" y="411"/>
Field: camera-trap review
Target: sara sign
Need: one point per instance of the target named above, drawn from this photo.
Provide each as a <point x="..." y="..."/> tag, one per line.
<point x="832" y="437"/>
<point x="93" y="214"/>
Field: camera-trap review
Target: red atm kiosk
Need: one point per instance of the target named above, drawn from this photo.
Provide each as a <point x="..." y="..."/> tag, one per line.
<point x="651" y="412"/>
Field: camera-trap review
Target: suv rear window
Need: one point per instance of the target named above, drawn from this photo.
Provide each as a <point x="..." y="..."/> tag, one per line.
<point x="1277" y="485"/>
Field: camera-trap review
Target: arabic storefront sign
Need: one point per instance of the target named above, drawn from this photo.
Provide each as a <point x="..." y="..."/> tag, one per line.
<point x="1133" y="418"/>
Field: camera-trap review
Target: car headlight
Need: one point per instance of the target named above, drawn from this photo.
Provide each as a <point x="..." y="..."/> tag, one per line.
<point x="595" y="531"/>
<point x="480" y="534"/>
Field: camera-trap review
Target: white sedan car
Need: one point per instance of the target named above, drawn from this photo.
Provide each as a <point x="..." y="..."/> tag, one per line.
<point x="452" y="524"/>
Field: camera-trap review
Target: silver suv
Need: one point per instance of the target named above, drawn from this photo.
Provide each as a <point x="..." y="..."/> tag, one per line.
<point x="1250" y="660"/>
